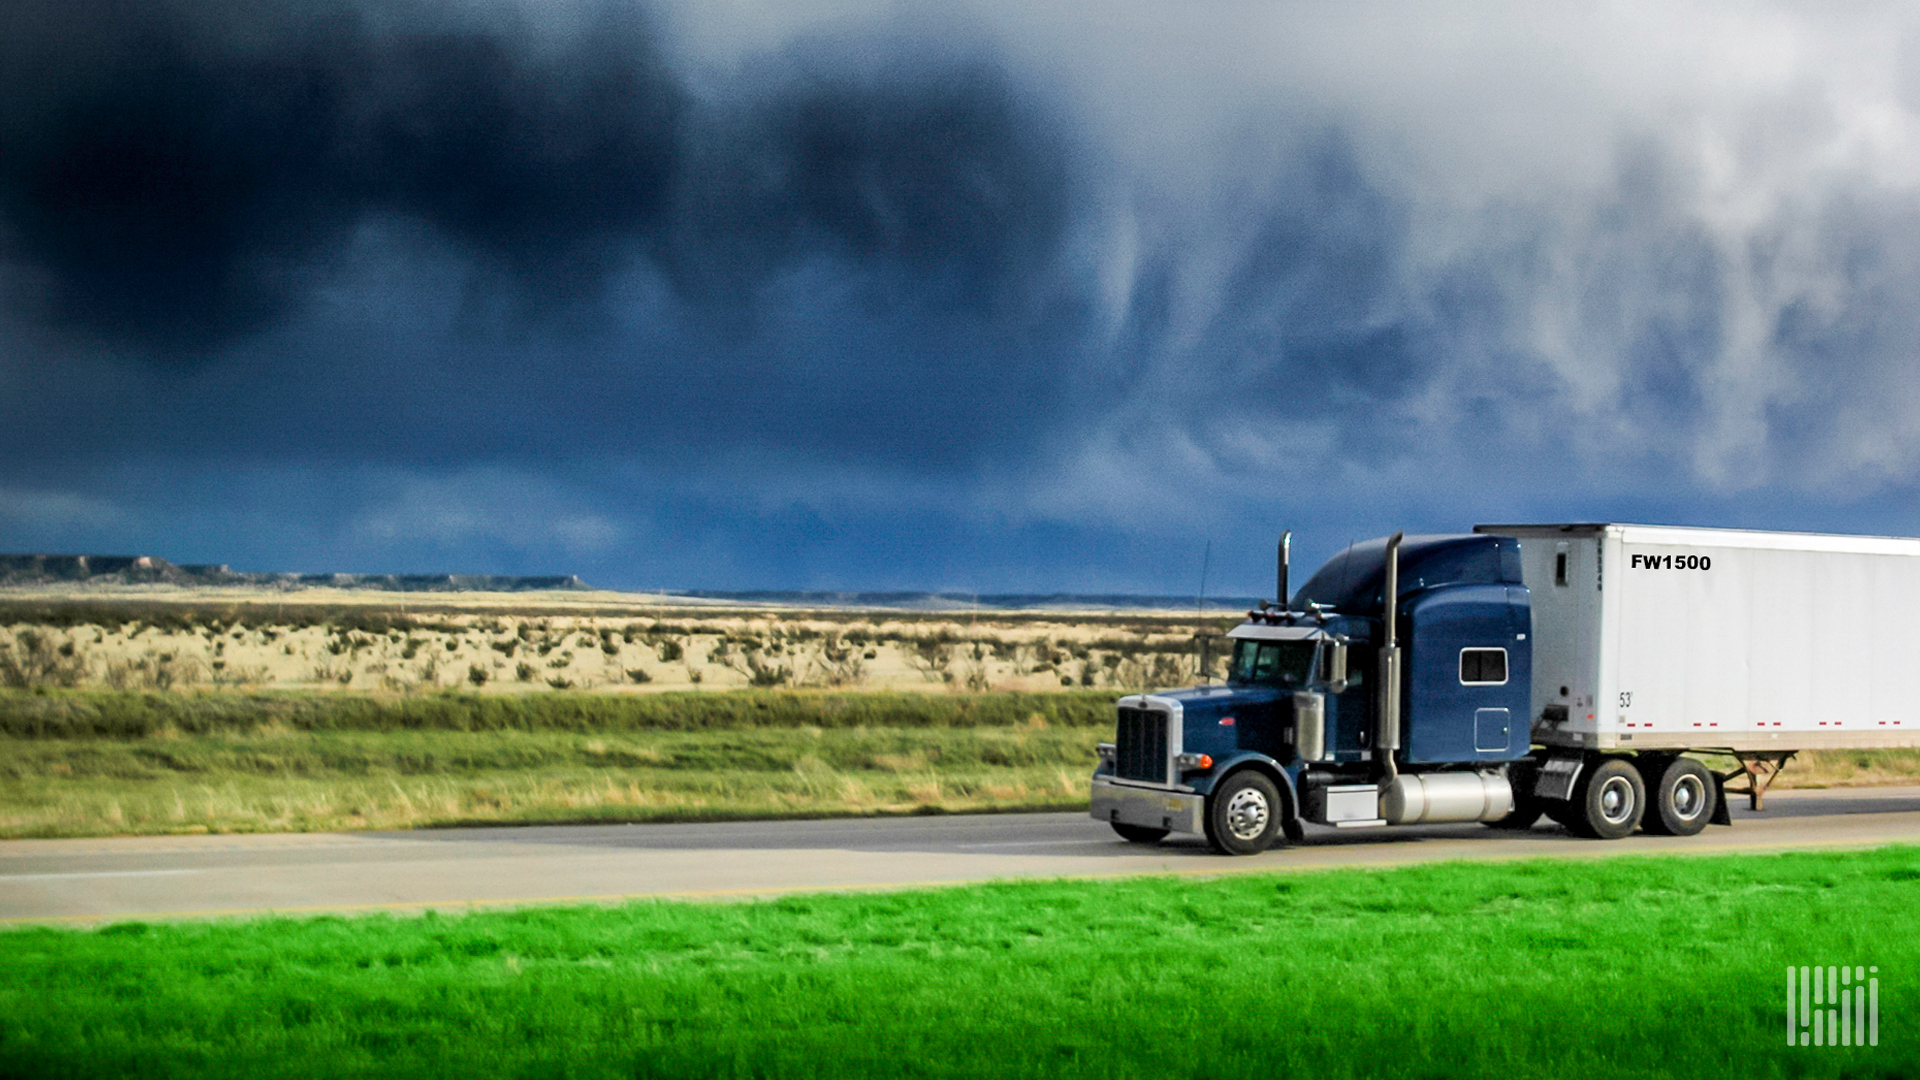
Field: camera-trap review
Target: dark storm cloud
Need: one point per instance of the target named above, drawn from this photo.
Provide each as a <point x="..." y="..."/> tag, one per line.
<point x="403" y="232"/>
<point x="893" y="154"/>
<point x="181" y="174"/>
<point x="1312" y="305"/>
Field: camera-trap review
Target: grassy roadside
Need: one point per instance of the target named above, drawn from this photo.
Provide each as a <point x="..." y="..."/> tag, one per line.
<point x="106" y="714"/>
<point x="1655" y="966"/>
<point x="92" y="764"/>
<point x="97" y="763"/>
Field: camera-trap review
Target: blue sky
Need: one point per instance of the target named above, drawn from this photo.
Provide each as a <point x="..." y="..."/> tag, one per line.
<point x="1018" y="298"/>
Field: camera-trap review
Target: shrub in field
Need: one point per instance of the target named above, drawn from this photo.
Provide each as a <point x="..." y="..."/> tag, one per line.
<point x="974" y="670"/>
<point x="762" y="674"/>
<point x="838" y="663"/>
<point x="31" y="661"/>
<point x="639" y="675"/>
<point x="476" y="675"/>
<point x="933" y="657"/>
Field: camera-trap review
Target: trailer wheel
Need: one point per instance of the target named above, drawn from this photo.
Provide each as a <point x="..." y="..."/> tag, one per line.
<point x="1139" y="834"/>
<point x="1683" y="799"/>
<point x="1243" y="814"/>
<point x="1609" y="801"/>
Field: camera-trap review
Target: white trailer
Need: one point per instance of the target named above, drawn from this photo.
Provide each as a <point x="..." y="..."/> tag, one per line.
<point x="1756" y="644"/>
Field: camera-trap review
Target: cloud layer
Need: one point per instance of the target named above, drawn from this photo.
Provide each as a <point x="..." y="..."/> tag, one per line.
<point x="1019" y="299"/>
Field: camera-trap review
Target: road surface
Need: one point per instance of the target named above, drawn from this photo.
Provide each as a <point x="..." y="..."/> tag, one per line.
<point x="451" y="869"/>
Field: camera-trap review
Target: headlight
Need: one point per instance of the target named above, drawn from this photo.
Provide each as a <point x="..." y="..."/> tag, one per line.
<point x="1105" y="750"/>
<point x="1194" y="762"/>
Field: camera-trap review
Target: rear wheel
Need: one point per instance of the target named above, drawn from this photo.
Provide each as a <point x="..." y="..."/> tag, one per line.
<point x="1683" y="799"/>
<point x="1139" y="834"/>
<point x="1243" y="814"/>
<point x="1609" y="800"/>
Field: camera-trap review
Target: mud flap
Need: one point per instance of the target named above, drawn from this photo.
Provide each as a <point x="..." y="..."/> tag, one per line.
<point x="1721" y="815"/>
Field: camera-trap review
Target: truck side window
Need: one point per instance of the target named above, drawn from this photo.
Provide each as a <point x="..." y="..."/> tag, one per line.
<point x="1359" y="662"/>
<point x="1483" y="667"/>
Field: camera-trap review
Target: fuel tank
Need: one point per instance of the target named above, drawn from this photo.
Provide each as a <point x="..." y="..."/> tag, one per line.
<point x="1420" y="798"/>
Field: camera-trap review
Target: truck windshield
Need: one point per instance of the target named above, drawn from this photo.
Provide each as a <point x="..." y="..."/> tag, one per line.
<point x="1276" y="663"/>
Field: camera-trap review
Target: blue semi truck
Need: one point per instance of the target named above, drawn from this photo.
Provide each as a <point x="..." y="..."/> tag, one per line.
<point x="1570" y="671"/>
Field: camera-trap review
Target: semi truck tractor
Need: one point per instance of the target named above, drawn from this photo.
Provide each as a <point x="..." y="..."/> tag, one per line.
<point x="1571" y="671"/>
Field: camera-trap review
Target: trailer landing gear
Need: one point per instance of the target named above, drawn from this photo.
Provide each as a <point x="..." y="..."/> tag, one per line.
<point x="1759" y="770"/>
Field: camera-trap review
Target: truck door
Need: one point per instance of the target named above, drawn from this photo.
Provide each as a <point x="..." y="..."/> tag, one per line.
<point x="1468" y="681"/>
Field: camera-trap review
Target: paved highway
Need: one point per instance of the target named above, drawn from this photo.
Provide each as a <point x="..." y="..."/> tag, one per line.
<point x="204" y="876"/>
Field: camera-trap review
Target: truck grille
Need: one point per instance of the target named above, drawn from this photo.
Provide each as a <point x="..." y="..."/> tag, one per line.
<point x="1140" y="750"/>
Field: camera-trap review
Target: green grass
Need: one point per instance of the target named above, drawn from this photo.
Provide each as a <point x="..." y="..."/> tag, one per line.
<point x="69" y="714"/>
<point x="1653" y="966"/>
<point x="327" y="781"/>
<point x="94" y="764"/>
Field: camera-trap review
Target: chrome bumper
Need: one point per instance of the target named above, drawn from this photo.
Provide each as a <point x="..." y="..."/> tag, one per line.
<point x="1152" y="808"/>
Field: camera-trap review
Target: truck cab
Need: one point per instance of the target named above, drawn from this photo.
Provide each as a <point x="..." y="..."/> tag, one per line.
<point x="1340" y="708"/>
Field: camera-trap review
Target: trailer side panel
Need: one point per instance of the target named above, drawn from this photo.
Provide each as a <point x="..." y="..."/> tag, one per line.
<point x="1722" y="639"/>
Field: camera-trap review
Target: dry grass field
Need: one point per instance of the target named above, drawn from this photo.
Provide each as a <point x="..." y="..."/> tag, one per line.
<point x="173" y="710"/>
<point x="515" y="643"/>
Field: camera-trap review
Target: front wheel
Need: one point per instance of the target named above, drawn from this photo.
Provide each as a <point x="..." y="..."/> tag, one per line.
<point x="1139" y="834"/>
<point x="1243" y="814"/>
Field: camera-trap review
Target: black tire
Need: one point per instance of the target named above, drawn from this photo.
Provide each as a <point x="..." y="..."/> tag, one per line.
<point x="1682" y="799"/>
<point x="1243" y="814"/>
<point x="1526" y="811"/>
<point x="1609" y="800"/>
<point x="1139" y="834"/>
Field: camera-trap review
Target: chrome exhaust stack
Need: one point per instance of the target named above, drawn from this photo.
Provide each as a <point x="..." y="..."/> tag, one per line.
<point x="1387" y="738"/>
<point x="1286" y="555"/>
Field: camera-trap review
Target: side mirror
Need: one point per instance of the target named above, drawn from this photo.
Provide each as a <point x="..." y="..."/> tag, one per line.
<point x="1333" y="662"/>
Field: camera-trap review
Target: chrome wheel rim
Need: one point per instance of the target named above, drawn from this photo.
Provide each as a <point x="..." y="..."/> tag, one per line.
<point x="1616" y="800"/>
<point x="1247" y="814"/>
<point x="1689" y="798"/>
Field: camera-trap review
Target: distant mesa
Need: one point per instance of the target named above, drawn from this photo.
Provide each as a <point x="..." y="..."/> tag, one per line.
<point x="153" y="570"/>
